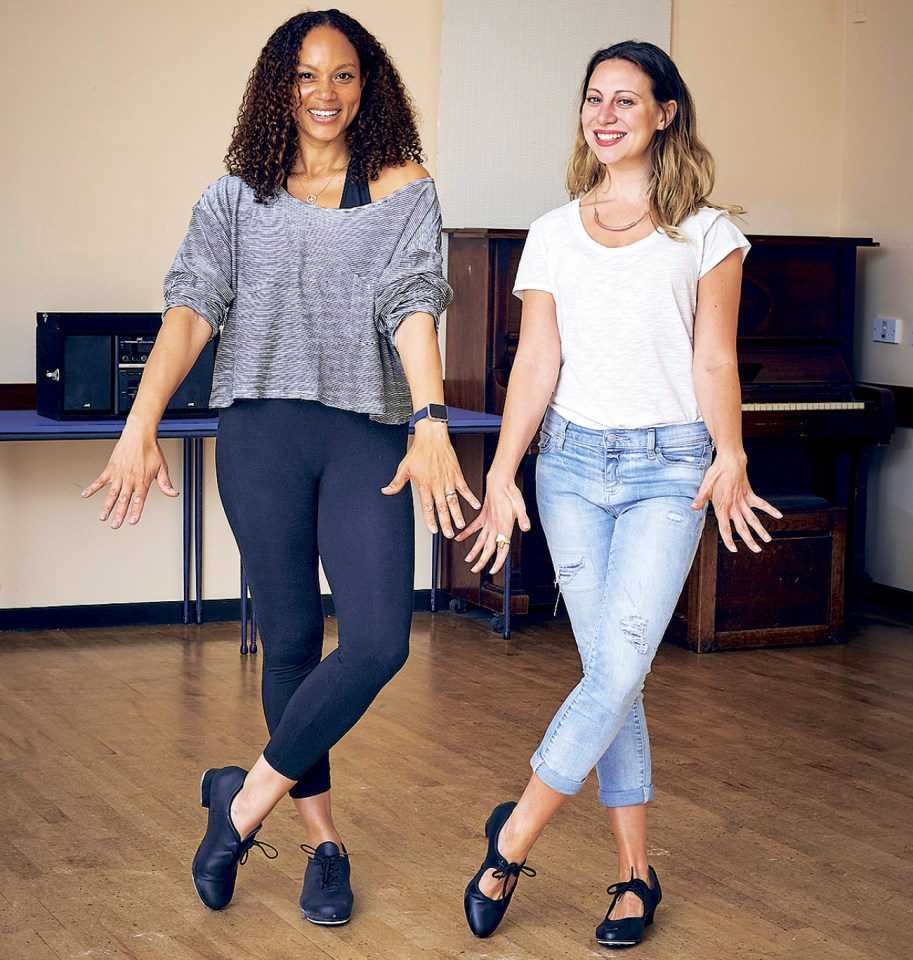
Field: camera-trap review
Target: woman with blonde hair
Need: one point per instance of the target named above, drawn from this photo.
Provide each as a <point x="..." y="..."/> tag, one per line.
<point x="628" y="346"/>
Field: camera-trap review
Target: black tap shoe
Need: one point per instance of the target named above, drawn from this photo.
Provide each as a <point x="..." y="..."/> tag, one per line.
<point x="482" y="913"/>
<point x="215" y="865"/>
<point x="326" y="897"/>
<point x="629" y="931"/>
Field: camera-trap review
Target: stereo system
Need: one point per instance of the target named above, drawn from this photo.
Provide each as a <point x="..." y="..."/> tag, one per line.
<point x="89" y="366"/>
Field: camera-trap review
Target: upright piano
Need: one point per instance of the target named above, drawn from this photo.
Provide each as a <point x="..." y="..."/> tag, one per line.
<point x="808" y="427"/>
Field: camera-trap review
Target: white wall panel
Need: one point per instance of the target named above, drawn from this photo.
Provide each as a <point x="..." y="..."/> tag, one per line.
<point x="510" y="75"/>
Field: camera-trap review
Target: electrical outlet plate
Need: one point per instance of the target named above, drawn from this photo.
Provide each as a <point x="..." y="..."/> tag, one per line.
<point x="885" y="330"/>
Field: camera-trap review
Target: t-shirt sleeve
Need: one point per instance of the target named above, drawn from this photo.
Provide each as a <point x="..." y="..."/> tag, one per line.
<point x="413" y="281"/>
<point x="201" y="275"/>
<point x="721" y="237"/>
<point x="533" y="272"/>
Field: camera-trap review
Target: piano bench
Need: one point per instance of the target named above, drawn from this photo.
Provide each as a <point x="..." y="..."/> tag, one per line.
<point x="791" y="593"/>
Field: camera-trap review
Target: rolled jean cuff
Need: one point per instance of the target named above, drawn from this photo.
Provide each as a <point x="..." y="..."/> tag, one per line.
<point x="554" y="780"/>
<point x="626" y="798"/>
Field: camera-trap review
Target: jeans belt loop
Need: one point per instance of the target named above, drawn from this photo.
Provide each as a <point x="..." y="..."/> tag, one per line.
<point x="561" y="434"/>
<point x="651" y="443"/>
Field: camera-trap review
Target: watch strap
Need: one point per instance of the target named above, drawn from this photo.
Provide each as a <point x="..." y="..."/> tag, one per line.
<point x="434" y="411"/>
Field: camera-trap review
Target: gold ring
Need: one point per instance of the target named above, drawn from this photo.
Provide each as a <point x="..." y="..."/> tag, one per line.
<point x="502" y="541"/>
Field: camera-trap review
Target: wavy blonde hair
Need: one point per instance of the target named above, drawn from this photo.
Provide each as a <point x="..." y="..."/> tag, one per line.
<point x="683" y="169"/>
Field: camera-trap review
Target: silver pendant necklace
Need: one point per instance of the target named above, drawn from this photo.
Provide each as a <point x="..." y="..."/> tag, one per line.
<point x="312" y="197"/>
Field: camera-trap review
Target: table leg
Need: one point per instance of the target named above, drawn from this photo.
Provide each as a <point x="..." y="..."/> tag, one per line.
<point x="198" y="522"/>
<point x="243" y="610"/>
<point x="186" y="510"/>
<point x="435" y="566"/>
<point x="248" y="616"/>
<point x="506" y="632"/>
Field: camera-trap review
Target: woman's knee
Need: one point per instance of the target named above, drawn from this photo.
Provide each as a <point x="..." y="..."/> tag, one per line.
<point x="385" y="662"/>
<point x="375" y="663"/>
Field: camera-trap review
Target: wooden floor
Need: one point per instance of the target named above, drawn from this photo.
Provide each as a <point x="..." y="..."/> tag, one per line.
<point x="782" y="826"/>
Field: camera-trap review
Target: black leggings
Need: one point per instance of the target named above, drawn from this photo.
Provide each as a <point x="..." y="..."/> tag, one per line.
<point x="300" y="480"/>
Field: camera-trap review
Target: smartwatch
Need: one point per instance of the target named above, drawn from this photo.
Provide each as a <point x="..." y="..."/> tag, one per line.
<point x="434" y="411"/>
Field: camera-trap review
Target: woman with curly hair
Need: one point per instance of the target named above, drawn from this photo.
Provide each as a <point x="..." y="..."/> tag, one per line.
<point x="628" y="347"/>
<point x="318" y="260"/>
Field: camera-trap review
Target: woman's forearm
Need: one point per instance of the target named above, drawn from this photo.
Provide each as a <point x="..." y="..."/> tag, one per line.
<point x="719" y="399"/>
<point x="179" y="342"/>
<point x="533" y="377"/>
<point x="528" y="393"/>
<point x="417" y="345"/>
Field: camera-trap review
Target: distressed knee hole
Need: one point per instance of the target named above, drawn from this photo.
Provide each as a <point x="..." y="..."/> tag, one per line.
<point x="567" y="571"/>
<point x="675" y="516"/>
<point x="634" y="630"/>
<point x="563" y="575"/>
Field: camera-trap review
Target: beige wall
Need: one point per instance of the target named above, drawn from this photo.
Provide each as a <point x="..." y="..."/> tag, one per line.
<point x="116" y="117"/>
<point x="767" y="79"/>
<point x="809" y="116"/>
<point x="876" y="200"/>
<point x="807" y="113"/>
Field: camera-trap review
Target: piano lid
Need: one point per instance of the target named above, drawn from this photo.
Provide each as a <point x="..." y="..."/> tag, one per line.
<point x="796" y="316"/>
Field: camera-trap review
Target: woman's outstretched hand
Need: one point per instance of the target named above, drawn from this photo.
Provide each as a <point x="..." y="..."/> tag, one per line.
<point x="136" y="462"/>
<point x="503" y="506"/>
<point x="734" y="502"/>
<point x="434" y="470"/>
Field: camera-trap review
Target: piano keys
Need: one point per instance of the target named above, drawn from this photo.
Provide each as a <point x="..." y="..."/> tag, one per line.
<point x="803" y="405"/>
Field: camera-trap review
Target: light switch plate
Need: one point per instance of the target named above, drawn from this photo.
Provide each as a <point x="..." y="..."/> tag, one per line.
<point x="885" y="330"/>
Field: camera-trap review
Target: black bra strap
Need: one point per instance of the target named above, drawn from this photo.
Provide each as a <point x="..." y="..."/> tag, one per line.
<point x="354" y="194"/>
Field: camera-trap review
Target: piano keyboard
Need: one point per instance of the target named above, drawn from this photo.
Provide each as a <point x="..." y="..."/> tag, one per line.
<point x="823" y="405"/>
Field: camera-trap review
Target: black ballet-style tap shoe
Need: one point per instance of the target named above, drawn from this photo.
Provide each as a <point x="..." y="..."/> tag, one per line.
<point x="629" y="931"/>
<point x="482" y="913"/>
<point x="326" y="897"/>
<point x="215" y="865"/>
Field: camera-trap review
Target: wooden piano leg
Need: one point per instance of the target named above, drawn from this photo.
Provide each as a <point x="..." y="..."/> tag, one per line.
<point x="702" y="587"/>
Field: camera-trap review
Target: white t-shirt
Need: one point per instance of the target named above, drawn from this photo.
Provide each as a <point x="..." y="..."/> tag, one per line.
<point x="625" y="315"/>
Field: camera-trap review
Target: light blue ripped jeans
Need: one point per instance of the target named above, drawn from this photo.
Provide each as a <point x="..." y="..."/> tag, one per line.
<point x="616" y="510"/>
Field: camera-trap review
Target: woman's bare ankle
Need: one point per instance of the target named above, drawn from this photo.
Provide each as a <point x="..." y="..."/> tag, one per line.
<point x="243" y="817"/>
<point x="511" y="843"/>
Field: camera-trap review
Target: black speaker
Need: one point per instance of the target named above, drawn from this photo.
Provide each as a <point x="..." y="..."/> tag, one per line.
<point x="89" y="366"/>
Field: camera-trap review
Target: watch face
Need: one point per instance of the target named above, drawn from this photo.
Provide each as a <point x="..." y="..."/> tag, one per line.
<point x="437" y="411"/>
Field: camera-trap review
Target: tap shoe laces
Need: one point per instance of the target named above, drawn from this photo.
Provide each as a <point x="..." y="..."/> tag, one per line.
<point x="629" y="931"/>
<point x="482" y="913"/>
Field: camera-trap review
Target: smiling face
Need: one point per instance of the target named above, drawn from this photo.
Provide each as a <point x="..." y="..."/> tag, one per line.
<point x="329" y="85"/>
<point x="620" y="115"/>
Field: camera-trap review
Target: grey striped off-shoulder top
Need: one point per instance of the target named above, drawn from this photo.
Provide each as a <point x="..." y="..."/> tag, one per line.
<point x="307" y="298"/>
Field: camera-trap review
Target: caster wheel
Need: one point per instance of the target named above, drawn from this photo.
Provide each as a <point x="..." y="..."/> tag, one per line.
<point x="457" y="605"/>
<point x="497" y="623"/>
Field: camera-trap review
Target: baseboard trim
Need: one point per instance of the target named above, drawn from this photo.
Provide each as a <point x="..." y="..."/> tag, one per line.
<point x="142" y="614"/>
<point x="892" y="597"/>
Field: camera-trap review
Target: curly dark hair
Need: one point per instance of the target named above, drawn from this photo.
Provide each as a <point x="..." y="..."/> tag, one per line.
<point x="264" y="144"/>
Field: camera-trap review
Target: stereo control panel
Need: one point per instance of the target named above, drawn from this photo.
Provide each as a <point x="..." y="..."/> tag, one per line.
<point x="89" y="365"/>
<point x="132" y="354"/>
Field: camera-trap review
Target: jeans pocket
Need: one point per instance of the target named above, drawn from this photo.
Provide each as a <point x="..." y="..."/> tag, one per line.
<point x="685" y="453"/>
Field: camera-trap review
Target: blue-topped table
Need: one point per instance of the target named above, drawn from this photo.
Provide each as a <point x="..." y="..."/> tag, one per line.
<point x="464" y="422"/>
<point x="28" y="425"/>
